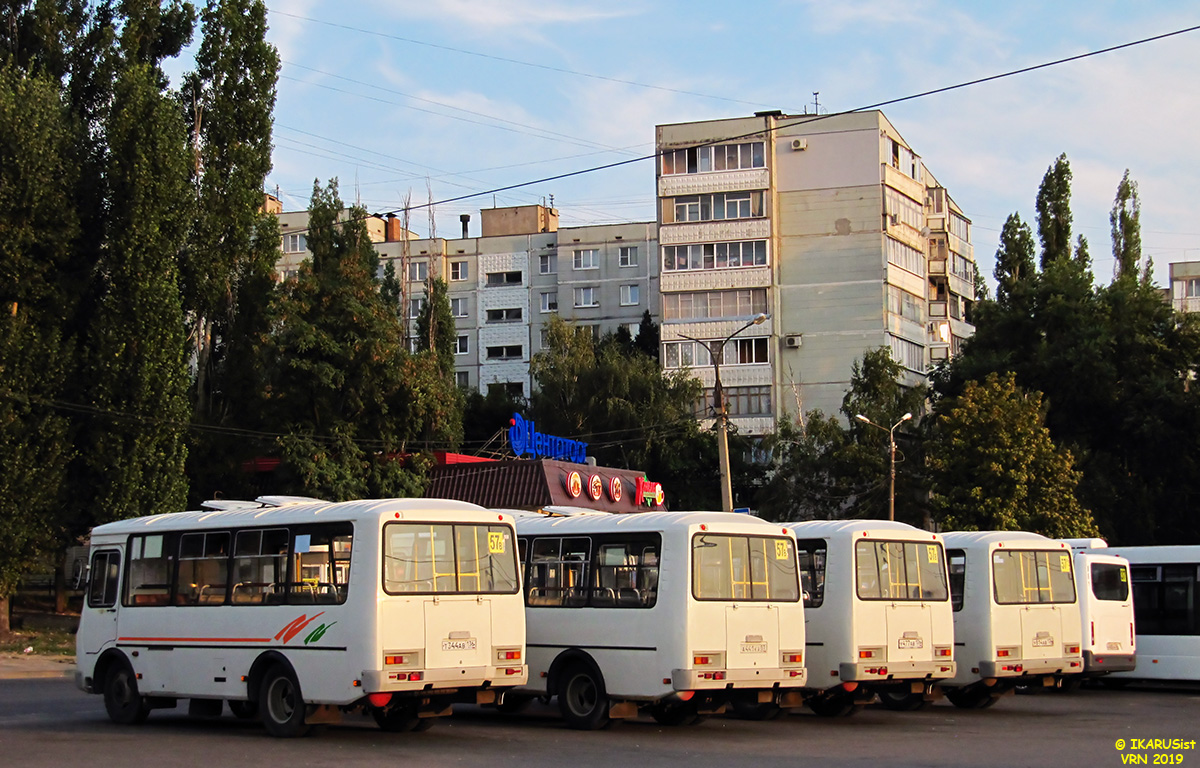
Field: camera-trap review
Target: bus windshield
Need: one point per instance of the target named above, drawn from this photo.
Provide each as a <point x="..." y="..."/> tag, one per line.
<point x="428" y="558"/>
<point x="1110" y="582"/>
<point x="756" y="568"/>
<point x="900" y="570"/>
<point x="1024" y="577"/>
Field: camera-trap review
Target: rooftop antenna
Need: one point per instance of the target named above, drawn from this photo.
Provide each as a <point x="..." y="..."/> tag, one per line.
<point x="551" y="201"/>
<point x="816" y="103"/>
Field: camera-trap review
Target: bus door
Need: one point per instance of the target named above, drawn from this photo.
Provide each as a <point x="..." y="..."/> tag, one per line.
<point x="99" y="631"/>
<point x="1110" y="607"/>
<point x="905" y="576"/>
<point x="1043" y="584"/>
<point x="760" y="570"/>
<point x="458" y="618"/>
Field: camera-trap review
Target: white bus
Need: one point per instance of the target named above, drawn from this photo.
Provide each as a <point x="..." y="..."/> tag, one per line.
<point x="677" y="614"/>
<point x="1102" y="580"/>
<point x="877" y="603"/>
<point x="301" y="612"/>
<point x="1016" y="614"/>
<point x="1166" y="604"/>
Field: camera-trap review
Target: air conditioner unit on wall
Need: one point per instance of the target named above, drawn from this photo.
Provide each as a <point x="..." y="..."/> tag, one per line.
<point x="792" y="341"/>
<point x="799" y="144"/>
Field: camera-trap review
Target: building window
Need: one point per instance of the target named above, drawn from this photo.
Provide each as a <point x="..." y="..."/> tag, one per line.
<point x="550" y="301"/>
<point x="504" y="352"/>
<point x="294" y="243"/>
<point x="509" y="315"/>
<point x="588" y="258"/>
<point x="1191" y="288"/>
<point x="418" y="271"/>
<point x="462" y="379"/>
<point x="720" y="206"/>
<point x="629" y="295"/>
<point x="503" y="278"/>
<point x="901" y="209"/>
<point x="628" y="257"/>
<point x="723" y="157"/>
<point x="633" y="328"/>
<point x="586" y="297"/>
<point x="712" y="305"/>
<point x="458" y="307"/>
<point x="908" y="354"/>
<point x="415" y="306"/>
<point x="749" y="253"/>
<point x="905" y="304"/>
<point x="907" y="257"/>
<point x="960" y="227"/>
<point x="689" y="354"/>
<point x="743" y="401"/>
<point x="462" y="345"/>
<point x="459" y="271"/>
<point x="548" y="264"/>
<point x="510" y="388"/>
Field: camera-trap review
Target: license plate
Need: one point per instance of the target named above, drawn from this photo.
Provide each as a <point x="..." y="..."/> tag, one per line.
<point x="910" y="642"/>
<point x="754" y="647"/>
<point x="1043" y="642"/>
<point x="1114" y="646"/>
<point x="459" y="645"/>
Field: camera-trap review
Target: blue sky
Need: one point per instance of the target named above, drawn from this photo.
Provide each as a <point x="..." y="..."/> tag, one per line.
<point x="398" y="96"/>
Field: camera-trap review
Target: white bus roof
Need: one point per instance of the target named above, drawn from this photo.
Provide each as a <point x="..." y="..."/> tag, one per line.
<point x="872" y="528"/>
<point x="1078" y="544"/>
<point x="1182" y="553"/>
<point x="312" y="511"/>
<point x="1016" y="539"/>
<point x="645" y="521"/>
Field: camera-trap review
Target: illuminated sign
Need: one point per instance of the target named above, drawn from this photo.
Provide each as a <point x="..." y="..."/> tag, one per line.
<point x="595" y="487"/>
<point x="648" y="493"/>
<point x="527" y="441"/>
<point x="574" y="484"/>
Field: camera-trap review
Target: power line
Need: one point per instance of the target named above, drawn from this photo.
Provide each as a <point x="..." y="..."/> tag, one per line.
<point x="807" y="118"/>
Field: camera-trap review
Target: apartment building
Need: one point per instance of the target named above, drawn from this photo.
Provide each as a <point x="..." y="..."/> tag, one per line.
<point x="833" y="227"/>
<point x="1184" y="290"/>
<point x="504" y="285"/>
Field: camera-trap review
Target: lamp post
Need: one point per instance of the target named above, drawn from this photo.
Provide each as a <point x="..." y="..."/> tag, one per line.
<point x="891" y="457"/>
<point x="716" y="352"/>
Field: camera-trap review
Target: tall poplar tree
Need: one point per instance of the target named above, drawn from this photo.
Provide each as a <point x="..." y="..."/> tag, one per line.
<point x="1054" y="212"/>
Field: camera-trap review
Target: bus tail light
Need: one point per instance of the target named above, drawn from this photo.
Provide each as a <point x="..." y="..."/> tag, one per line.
<point x="1072" y="649"/>
<point x="708" y="659"/>
<point x="792" y="658"/>
<point x="1008" y="653"/>
<point x="867" y="654"/>
<point x="942" y="651"/>
<point x="402" y="658"/>
<point x="508" y="654"/>
<point x="1093" y="626"/>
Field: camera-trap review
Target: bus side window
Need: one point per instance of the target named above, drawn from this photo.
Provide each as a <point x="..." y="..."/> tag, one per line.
<point x="957" y="562"/>
<point x="811" y="557"/>
<point x="149" y="580"/>
<point x="105" y="573"/>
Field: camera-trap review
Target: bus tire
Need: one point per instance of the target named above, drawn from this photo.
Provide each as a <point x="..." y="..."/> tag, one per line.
<point x="282" y="704"/>
<point x="124" y="704"/>
<point x="749" y="711"/>
<point x="971" y="697"/>
<point x="582" y="699"/>
<point x="834" y="706"/>
<point x="902" y="702"/>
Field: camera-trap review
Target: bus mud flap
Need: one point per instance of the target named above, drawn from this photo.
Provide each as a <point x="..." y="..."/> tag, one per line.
<point x="623" y="710"/>
<point x="791" y="699"/>
<point x="485" y="697"/>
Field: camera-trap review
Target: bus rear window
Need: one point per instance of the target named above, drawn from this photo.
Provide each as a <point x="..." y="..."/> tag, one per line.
<point x="900" y="570"/>
<point x="429" y="558"/>
<point x="752" y="568"/>
<point x="1110" y="582"/>
<point x="1024" y="577"/>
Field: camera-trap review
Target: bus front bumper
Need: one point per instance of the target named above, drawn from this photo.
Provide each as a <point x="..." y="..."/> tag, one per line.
<point x="1067" y="665"/>
<point x="896" y="670"/>
<point x="390" y="681"/>
<point x="1097" y="663"/>
<point x="701" y="679"/>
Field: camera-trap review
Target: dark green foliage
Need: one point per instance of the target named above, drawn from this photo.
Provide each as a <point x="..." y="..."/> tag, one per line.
<point x="1125" y="219"/>
<point x="435" y="325"/>
<point x="485" y="419"/>
<point x="649" y="336"/>
<point x="1054" y="212"/>
<point x="993" y="465"/>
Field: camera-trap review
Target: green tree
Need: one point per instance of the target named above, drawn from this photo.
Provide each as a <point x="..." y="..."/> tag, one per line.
<point x="807" y="479"/>
<point x="346" y="394"/>
<point x="39" y="227"/>
<point x="133" y="450"/>
<point x="1054" y="212"/>
<point x="1125" y="219"/>
<point x="648" y="338"/>
<point x="1014" y="260"/>
<point x="994" y="466"/>
<point x="435" y="325"/>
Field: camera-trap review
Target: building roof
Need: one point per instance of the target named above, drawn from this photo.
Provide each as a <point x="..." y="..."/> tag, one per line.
<point x="538" y="483"/>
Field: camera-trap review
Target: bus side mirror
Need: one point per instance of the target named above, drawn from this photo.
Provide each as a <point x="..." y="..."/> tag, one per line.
<point x="79" y="574"/>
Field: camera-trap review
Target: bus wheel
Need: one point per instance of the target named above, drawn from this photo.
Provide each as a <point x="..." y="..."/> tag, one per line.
<point x="674" y="714"/>
<point x="971" y="697"/>
<point x="121" y="698"/>
<point x="902" y="702"/>
<point x="243" y="710"/>
<point x="748" y="711"/>
<point x="833" y="706"/>
<point x="281" y="703"/>
<point x="582" y="699"/>
<point x="397" y="718"/>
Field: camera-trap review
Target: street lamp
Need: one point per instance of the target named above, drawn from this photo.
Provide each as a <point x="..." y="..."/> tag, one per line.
<point x="891" y="456"/>
<point x="716" y="352"/>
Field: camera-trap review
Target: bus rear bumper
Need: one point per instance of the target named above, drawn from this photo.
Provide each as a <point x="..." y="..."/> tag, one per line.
<point x="700" y="680"/>
<point x="1097" y="663"/>
<point x="392" y="681"/>
<point x="896" y="670"/>
<point x="1067" y="665"/>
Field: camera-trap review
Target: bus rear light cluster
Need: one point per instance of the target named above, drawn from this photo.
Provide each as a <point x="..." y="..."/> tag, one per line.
<point x="707" y="659"/>
<point x="792" y="657"/>
<point x="943" y="651"/>
<point x="1072" y="649"/>
<point x="870" y="653"/>
<point x="511" y="671"/>
<point x="1008" y="653"/>
<point x="876" y="671"/>
<point x="795" y="672"/>
<point x="713" y="675"/>
<point x="1018" y="668"/>
<point x="402" y="676"/>
<point x="402" y="658"/>
<point x="508" y="654"/>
